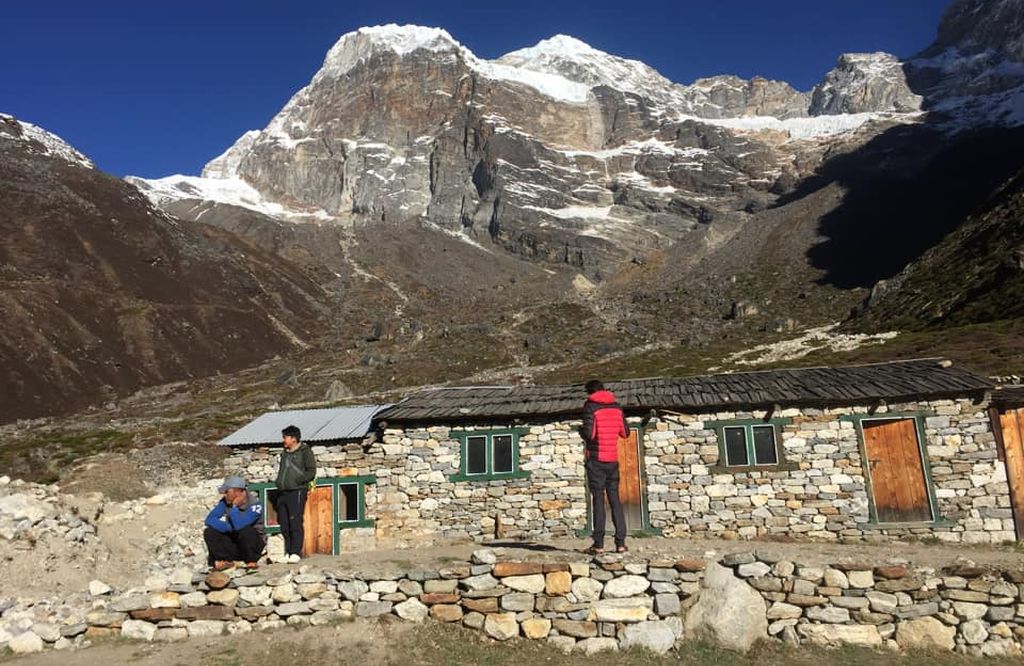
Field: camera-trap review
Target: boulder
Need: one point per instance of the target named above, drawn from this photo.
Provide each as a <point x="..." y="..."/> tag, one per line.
<point x="98" y="588"/>
<point x="587" y="589"/>
<point x="138" y="630"/>
<point x="501" y="626"/>
<point x="626" y="586"/>
<point x="536" y="628"/>
<point x="446" y="613"/>
<point x="201" y="628"/>
<point x="728" y="612"/>
<point x="621" y="610"/>
<point x="411" y="610"/>
<point x="925" y="633"/>
<point x="25" y="643"/>
<point x="22" y="507"/>
<point x="974" y="632"/>
<point x="658" y="637"/>
<point x="838" y="635"/>
<point x="591" y="646"/>
<point x="558" y="583"/>
<point x="534" y="583"/>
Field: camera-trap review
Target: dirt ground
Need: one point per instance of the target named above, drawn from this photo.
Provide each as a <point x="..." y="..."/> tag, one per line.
<point x="52" y="565"/>
<point x="391" y="643"/>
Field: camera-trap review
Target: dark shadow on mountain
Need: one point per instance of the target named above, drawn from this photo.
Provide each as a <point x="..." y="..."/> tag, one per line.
<point x="904" y="191"/>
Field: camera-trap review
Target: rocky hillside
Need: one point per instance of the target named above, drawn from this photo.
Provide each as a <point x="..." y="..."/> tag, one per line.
<point x="103" y="294"/>
<point x="456" y="218"/>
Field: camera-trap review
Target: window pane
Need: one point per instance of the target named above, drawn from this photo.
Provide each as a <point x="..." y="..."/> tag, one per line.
<point x="476" y="455"/>
<point x="764" y="445"/>
<point x="348" y="502"/>
<point x="502" y="453"/>
<point x="736" y="447"/>
<point x="270" y="510"/>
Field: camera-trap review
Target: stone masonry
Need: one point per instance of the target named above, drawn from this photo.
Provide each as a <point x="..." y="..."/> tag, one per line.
<point x="586" y="604"/>
<point x="819" y="493"/>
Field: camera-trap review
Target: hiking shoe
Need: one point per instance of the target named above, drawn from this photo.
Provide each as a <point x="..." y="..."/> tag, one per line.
<point x="293" y="558"/>
<point x="621" y="549"/>
<point x="223" y="565"/>
<point x="594" y="550"/>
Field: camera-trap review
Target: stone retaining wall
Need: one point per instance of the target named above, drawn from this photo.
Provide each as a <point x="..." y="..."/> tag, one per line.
<point x="822" y="493"/>
<point x="606" y="603"/>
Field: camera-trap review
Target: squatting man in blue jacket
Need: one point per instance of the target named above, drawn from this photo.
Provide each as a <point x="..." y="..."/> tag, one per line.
<point x="234" y="528"/>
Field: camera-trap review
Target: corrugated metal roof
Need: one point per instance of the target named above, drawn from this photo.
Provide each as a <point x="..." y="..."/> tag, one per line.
<point x="317" y="425"/>
<point x="797" y="387"/>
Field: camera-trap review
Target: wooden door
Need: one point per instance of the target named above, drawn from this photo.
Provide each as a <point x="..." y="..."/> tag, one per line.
<point x="318" y="522"/>
<point x="630" y="486"/>
<point x="1011" y="425"/>
<point x="896" y="471"/>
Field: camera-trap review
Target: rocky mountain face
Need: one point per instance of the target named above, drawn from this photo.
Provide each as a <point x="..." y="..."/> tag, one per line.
<point x="103" y="294"/>
<point x="973" y="74"/>
<point x="488" y="220"/>
<point x="558" y="152"/>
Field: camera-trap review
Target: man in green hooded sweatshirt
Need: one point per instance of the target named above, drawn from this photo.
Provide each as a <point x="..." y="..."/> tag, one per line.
<point x="297" y="469"/>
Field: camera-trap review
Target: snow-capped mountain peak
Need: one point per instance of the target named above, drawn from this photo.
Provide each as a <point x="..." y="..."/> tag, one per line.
<point x="46" y="142"/>
<point x="577" y="61"/>
<point x="361" y="44"/>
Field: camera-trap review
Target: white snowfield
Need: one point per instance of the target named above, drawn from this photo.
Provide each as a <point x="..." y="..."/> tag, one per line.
<point x="232" y="191"/>
<point x="51" y="144"/>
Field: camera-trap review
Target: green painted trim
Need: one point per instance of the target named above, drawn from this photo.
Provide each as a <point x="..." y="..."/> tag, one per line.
<point x="333" y="482"/>
<point x="460" y="477"/>
<point x="781" y="464"/>
<point x="463" y="437"/>
<point x="938" y="520"/>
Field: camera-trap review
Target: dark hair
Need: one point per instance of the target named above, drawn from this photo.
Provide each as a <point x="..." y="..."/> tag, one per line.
<point x="292" y="431"/>
<point x="593" y="386"/>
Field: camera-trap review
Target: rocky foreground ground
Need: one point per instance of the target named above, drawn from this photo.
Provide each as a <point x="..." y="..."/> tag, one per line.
<point x="81" y="568"/>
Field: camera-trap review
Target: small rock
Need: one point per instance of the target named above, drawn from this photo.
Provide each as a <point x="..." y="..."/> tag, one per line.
<point x="138" y="630"/>
<point x="98" y="588"/>
<point x="411" y="610"/>
<point x="658" y="637"/>
<point x="484" y="556"/>
<point x="502" y="626"/>
<point x="536" y="628"/>
<point x="25" y="643"/>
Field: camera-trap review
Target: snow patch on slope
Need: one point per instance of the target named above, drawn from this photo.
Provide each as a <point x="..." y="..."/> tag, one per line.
<point x="805" y="128"/>
<point x="231" y="191"/>
<point x="52" y="145"/>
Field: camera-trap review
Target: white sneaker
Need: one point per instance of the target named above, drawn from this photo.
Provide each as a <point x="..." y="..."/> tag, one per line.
<point x="293" y="558"/>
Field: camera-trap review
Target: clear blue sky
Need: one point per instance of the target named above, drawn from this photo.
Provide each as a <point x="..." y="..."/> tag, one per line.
<point x="154" y="87"/>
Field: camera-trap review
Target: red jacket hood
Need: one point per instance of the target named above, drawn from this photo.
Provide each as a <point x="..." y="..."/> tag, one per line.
<point x="603" y="397"/>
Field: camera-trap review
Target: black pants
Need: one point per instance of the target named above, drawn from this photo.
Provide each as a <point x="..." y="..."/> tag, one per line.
<point x="603" y="479"/>
<point x="290" y="505"/>
<point x="245" y="545"/>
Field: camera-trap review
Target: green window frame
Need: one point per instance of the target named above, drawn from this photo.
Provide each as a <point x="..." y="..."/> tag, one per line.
<point x="340" y="522"/>
<point x="488" y="455"/>
<point x="745" y="436"/>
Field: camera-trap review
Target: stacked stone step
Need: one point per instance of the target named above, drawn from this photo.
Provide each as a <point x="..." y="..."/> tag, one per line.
<point x="604" y="603"/>
<point x="962" y="607"/>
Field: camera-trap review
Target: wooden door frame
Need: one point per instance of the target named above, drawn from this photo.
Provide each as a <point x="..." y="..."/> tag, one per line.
<point x="261" y="489"/>
<point x="922" y="451"/>
<point x="645" y="519"/>
<point x="995" y="422"/>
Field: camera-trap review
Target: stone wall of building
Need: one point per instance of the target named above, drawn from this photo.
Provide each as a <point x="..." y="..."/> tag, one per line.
<point x="822" y="494"/>
<point x="826" y="495"/>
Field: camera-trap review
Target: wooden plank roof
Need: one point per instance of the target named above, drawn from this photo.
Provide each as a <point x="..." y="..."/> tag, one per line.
<point x="859" y="384"/>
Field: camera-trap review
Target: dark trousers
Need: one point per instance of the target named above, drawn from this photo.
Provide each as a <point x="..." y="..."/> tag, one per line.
<point x="603" y="479"/>
<point x="290" y="506"/>
<point x="245" y="545"/>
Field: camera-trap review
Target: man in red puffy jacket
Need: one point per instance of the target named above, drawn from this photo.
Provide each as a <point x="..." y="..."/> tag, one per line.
<point x="603" y="424"/>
